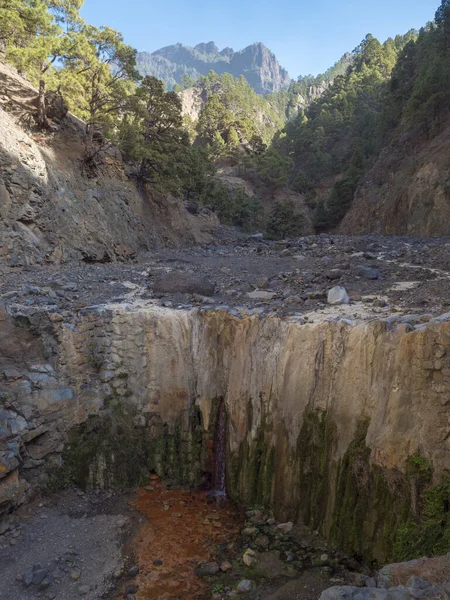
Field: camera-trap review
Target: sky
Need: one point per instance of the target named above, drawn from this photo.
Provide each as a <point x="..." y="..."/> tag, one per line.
<point x="307" y="36"/>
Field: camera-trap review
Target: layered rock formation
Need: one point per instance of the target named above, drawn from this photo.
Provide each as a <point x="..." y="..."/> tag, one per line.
<point x="52" y="209"/>
<point x="323" y="421"/>
<point x="256" y="63"/>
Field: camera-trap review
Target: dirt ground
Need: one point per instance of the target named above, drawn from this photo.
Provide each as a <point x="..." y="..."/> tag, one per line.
<point x="140" y="545"/>
<point x="381" y="276"/>
<point x="79" y="541"/>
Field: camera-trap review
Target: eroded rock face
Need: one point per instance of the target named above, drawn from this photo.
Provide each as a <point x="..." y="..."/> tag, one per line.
<point x="319" y="417"/>
<point x="52" y="210"/>
<point x="405" y="192"/>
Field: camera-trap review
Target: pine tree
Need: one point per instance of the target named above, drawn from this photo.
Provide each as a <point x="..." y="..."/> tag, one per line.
<point x="102" y="68"/>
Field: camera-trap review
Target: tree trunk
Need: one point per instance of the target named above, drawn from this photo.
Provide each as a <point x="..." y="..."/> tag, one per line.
<point x="42" y="120"/>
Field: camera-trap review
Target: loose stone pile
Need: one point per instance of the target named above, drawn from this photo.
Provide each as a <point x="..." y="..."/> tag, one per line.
<point x="273" y="552"/>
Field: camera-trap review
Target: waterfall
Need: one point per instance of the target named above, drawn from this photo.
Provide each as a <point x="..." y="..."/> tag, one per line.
<point x="219" y="451"/>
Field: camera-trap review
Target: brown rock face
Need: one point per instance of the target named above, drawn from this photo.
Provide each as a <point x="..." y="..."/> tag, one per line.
<point x="407" y="191"/>
<point x="52" y="210"/>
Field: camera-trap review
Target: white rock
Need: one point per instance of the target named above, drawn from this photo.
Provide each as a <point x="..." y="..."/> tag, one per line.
<point x="245" y="586"/>
<point x="338" y="295"/>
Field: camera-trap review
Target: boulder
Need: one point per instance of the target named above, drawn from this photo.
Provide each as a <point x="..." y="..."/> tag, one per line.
<point x="367" y="272"/>
<point x="56" y="106"/>
<point x="338" y="295"/>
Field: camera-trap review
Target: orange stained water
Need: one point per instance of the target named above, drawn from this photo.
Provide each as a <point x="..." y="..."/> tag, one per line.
<point x="181" y="531"/>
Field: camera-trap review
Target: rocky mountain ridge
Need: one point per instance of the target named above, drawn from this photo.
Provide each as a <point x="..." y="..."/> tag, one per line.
<point x="256" y="63"/>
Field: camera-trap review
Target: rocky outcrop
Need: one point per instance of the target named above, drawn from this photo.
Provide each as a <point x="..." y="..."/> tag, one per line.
<point x="192" y="102"/>
<point x="52" y="210"/>
<point x="256" y="63"/>
<point x="324" y="421"/>
<point x="420" y="578"/>
<point x="407" y="192"/>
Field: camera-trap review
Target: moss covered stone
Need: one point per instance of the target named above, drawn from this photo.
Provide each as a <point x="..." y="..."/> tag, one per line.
<point x="113" y="450"/>
<point x="382" y="515"/>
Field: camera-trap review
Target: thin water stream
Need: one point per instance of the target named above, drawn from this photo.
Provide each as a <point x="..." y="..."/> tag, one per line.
<point x="220" y="451"/>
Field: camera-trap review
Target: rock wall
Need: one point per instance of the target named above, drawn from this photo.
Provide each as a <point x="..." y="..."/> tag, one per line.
<point x="53" y="210"/>
<point x="406" y="192"/>
<point x="323" y="420"/>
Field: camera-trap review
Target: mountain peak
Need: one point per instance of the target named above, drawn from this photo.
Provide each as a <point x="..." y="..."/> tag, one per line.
<point x="208" y="48"/>
<point x="256" y="63"/>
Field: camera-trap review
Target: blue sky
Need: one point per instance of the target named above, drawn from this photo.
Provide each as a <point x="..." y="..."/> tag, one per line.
<point x="307" y="36"/>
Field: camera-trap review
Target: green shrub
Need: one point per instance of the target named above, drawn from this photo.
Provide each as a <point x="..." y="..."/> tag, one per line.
<point x="284" y="220"/>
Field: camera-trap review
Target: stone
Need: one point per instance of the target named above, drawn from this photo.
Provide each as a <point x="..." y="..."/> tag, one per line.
<point x="226" y="566"/>
<point x="39" y="575"/>
<point x="56" y="106"/>
<point x="317" y="295"/>
<point x="261" y="295"/>
<point x="8" y="462"/>
<point x="45" y="583"/>
<point x="338" y="295"/>
<point x="380" y="303"/>
<point x="206" y="569"/>
<point x="133" y="571"/>
<point x="335" y="274"/>
<point x="249" y="557"/>
<point x="245" y="586"/>
<point x="367" y="272"/>
<point x="75" y="575"/>
<point x="130" y="589"/>
<point x="83" y="590"/>
<point x="183" y="283"/>
<point x="285" y="527"/>
<point x="249" y="531"/>
<point x="262" y="541"/>
<point x="27" y="578"/>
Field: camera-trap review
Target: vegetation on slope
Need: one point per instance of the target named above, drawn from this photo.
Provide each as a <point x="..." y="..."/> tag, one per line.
<point x="403" y="84"/>
<point x="370" y="97"/>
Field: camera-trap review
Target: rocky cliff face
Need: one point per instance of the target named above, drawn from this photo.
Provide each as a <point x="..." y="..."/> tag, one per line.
<point x="322" y="419"/>
<point x="52" y="210"/>
<point x="407" y="192"/>
<point x="256" y="63"/>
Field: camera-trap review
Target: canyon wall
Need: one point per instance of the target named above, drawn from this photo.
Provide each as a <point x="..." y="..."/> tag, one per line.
<point x="53" y="209"/>
<point x="340" y="426"/>
<point x="406" y="192"/>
